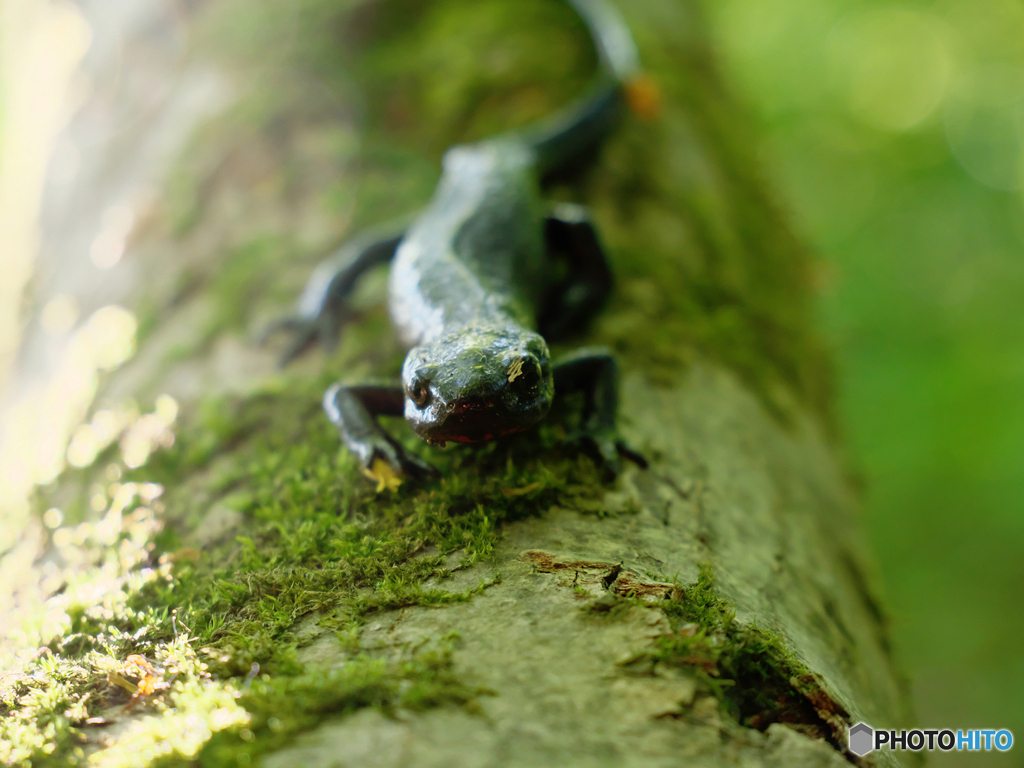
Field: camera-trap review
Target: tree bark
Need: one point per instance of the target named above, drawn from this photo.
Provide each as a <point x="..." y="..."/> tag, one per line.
<point x="714" y="609"/>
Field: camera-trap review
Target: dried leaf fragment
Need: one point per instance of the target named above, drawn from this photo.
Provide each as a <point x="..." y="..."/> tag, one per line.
<point x="508" y="492"/>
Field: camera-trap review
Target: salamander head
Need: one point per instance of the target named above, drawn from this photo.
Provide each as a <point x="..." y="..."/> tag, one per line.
<point x="476" y="385"/>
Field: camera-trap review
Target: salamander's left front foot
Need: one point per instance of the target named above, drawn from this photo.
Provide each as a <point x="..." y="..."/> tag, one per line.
<point x="304" y="333"/>
<point x="323" y="306"/>
<point x="606" y="448"/>
<point x="595" y="373"/>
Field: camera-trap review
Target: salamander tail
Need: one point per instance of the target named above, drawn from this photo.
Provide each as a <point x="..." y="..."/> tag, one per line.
<point x="612" y="38"/>
<point x="563" y="136"/>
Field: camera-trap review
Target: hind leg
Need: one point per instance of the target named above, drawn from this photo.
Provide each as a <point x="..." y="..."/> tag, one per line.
<point x="570" y="234"/>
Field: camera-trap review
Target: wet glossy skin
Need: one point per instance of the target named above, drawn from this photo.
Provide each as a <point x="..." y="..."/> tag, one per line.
<point x="465" y="288"/>
<point x="477" y="384"/>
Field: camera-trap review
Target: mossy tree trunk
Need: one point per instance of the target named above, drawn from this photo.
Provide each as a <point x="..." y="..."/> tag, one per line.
<point x="713" y="609"/>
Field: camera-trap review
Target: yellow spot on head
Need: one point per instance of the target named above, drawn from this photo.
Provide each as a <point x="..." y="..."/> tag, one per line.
<point x="383" y="474"/>
<point x="515" y="370"/>
<point x="643" y="97"/>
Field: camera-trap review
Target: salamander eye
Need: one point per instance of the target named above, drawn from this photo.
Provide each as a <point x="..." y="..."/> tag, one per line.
<point x="533" y="373"/>
<point x="419" y="393"/>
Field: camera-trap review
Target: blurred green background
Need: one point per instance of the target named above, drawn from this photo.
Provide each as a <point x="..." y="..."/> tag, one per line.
<point x="895" y="134"/>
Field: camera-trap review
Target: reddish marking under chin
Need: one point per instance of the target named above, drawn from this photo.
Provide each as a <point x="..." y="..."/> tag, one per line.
<point x="488" y="436"/>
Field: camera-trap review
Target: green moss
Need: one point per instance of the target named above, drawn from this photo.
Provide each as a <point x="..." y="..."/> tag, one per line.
<point x="748" y="668"/>
<point x="73" y="647"/>
<point x="316" y="541"/>
<point x="756" y="678"/>
<point x="319" y="538"/>
<point x="422" y="682"/>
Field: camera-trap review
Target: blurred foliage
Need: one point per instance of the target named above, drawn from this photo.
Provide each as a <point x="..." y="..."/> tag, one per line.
<point x="896" y="132"/>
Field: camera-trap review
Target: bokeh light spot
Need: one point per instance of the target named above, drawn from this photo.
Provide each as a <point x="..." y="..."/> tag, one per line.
<point x="111" y="334"/>
<point x="109" y="245"/>
<point x="53" y="517"/>
<point x="989" y="31"/>
<point x="59" y="315"/>
<point x="984" y="118"/>
<point x="893" y="66"/>
<point x="148" y="432"/>
<point x="88" y="440"/>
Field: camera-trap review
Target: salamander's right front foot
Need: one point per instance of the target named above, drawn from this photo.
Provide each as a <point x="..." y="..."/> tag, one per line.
<point x="608" y="450"/>
<point x="384" y="460"/>
<point x="354" y="411"/>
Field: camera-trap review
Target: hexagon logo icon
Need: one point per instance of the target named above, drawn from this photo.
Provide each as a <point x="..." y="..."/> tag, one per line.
<point x="861" y="738"/>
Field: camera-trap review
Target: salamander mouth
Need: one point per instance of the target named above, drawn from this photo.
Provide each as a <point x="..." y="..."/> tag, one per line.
<point x="477" y="421"/>
<point x="477" y="437"/>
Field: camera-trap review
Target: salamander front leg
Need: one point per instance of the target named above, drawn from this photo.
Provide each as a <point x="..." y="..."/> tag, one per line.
<point x="322" y="309"/>
<point x="354" y="411"/>
<point x="595" y="372"/>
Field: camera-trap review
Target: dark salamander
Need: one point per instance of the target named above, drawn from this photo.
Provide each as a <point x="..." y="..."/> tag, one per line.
<point x="472" y="292"/>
